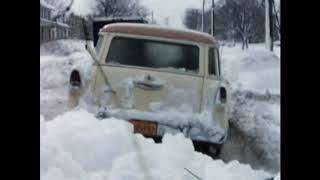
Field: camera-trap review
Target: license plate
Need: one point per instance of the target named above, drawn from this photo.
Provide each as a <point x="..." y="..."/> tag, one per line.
<point x="145" y="127"/>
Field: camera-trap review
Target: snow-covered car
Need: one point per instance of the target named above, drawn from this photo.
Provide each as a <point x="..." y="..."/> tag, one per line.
<point x="160" y="79"/>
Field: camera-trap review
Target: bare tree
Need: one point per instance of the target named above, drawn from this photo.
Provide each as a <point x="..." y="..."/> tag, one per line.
<point x="192" y="19"/>
<point x="274" y="16"/>
<point x="202" y="16"/>
<point x="276" y="11"/>
<point x="213" y="27"/>
<point x="241" y="17"/>
<point x="113" y="8"/>
<point x="269" y="24"/>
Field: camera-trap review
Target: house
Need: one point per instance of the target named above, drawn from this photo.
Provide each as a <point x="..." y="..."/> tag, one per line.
<point x="49" y="29"/>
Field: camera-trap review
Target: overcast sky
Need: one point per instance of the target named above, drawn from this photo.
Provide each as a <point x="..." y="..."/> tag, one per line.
<point x="173" y="9"/>
<point x="162" y="9"/>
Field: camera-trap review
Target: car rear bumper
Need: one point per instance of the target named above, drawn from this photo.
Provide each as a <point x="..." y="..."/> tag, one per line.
<point x="197" y="126"/>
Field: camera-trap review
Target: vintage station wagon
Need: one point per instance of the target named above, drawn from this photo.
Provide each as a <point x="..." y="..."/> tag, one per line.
<point x="162" y="80"/>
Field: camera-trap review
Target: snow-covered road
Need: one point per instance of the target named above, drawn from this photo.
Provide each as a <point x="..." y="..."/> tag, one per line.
<point x="254" y="137"/>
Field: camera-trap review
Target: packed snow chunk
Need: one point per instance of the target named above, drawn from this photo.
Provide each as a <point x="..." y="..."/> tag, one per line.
<point x="158" y="161"/>
<point x="233" y="170"/>
<point x="78" y="146"/>
<point x="77" y="143"/>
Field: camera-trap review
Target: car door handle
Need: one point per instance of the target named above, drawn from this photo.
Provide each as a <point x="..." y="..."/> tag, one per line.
<point x="148" y="85"/>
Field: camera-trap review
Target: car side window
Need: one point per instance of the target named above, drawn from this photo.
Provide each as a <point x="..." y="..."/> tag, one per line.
<point x="218" y="60"/>
<point x="212" y="62"/>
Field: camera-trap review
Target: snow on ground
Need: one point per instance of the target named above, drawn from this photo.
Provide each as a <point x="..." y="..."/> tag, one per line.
<point x="254" y="76"/>
<point x="255" y="114"/>
<point x="56" y="61"/>
<point x="78" y="146"/>
<point x="62" y="47"/>
<point x="256" y="69"/>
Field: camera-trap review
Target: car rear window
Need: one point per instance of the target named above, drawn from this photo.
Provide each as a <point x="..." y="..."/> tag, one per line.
<point x="153" y="54"/>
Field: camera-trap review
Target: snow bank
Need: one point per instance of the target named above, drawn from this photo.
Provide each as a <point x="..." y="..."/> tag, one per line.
<point x="63" y="47"/>
<point x="254" y="76"/>
<point x="54" y="71"/>
<point x="256" y="69"/>
<point x="57" y="59"/>
<point x="258" y="122"/>
<point x="78" y="146"/>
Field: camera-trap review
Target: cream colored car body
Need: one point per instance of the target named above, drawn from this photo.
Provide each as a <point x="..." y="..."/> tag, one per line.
<point x="183" y="92"/>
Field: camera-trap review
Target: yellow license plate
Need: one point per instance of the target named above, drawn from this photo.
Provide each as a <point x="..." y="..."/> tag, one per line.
<point x="145" y="128"/>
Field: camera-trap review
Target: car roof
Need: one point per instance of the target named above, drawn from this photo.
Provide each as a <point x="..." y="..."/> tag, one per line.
<point x="158" y="31"/>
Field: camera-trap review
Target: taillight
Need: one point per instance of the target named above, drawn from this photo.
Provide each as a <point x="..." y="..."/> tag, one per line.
<point x="75" y="79"/>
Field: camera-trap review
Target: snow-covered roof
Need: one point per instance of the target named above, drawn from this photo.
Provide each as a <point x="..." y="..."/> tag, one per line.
<point x="46" y="5"/>
<point x="63" y="24"/>
<point x="158" y="31"/>
<point x="45" y="22"/>
<point x="132" y="18"/>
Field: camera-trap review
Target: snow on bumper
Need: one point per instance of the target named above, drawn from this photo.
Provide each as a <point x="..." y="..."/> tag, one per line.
<point x="196" y="126"/>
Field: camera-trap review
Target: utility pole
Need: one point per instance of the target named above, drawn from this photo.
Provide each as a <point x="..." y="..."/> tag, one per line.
<point x="202" y="16"/>
<point x="197" y="19"/>
<point x="269" y="24"/>
<point x="213" y="27"/>
<point x="166" y="21"/>
<point x="152" y="17"/>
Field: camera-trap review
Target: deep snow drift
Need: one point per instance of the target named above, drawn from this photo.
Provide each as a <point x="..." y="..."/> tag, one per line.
<point x="255" y="100"/>
<point x="56" y="61"/>
<point x="78" y="146"/>
<point x="254" y="76"/>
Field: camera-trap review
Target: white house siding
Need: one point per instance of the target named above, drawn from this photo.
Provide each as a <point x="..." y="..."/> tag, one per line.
<point x="50" y="30"/>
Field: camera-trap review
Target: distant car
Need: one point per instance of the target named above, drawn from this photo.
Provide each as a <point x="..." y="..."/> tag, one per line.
<point x="162" y="80"/>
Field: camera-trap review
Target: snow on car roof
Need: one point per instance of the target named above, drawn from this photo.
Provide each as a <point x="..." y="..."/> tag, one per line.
<point x="158" y="31"/>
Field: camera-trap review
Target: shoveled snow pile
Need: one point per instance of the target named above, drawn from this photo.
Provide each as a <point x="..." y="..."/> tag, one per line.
<point x="256" y="69"/>
<point x="254" y="76"/>
<point x="56" y="62"/>
<point x="256" y="134"/>
<point x="255" y="112"/>
<point x="78" y="146"/>
<point x="62" y="47"/>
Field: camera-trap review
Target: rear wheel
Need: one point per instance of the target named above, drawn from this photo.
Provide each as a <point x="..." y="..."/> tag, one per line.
<point x="212" y="150"/>
<point x="75" y="85"/>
